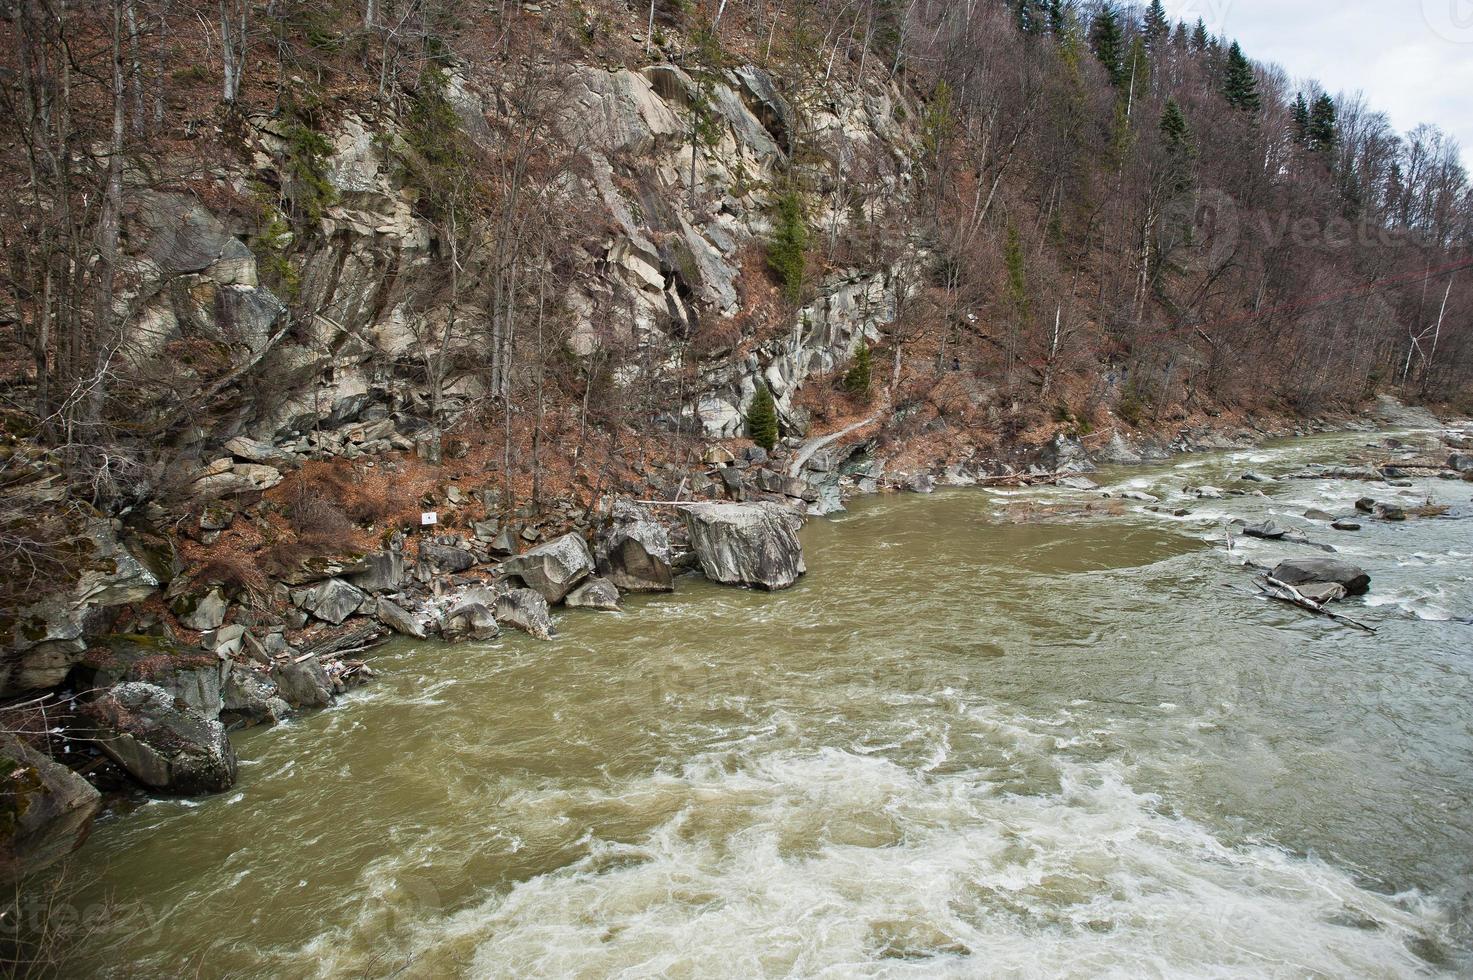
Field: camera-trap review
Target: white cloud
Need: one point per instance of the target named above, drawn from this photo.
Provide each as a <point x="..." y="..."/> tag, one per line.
<point x="1413" y="59"/>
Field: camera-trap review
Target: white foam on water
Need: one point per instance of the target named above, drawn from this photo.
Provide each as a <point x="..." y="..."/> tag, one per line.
<point x="830" y="863"/>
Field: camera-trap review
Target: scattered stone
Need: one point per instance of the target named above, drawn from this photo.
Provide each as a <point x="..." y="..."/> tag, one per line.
<point x="1344" y="525"/>
<point x="746" y="544"/>
<point x="1366" y="505"/>
<point x="304" y="684"/>
<point x="1391" y="512"/>
<point x="1078" y="483"/>
<point x="398" y="619"/>
<point x="208" y="612"/>
<point x="1315" y="514"/>
<point x="596" y="593"/>
<point x="1253" y="477"/>
<point x="332" y="601"/>
<point x="160" y="741"/>
<point x="635" y="554"/>
<point x="1209" y="493"/>
<point x="46" y="810"/>
<point x="1267" y="531"/>
<point x="1303" y="571"/>
<point x="1138" y="495"/>
<point x="526" y="610"/>
<point x="471" y="619"/>
<point x="251" y="699"/>
<point x="553" y="569"/>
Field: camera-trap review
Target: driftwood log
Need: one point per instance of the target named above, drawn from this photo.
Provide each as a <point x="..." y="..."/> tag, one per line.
<point x="1284" y="592"/>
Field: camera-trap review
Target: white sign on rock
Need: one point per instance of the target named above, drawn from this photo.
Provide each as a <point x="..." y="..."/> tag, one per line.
<point x="429" y="517"/>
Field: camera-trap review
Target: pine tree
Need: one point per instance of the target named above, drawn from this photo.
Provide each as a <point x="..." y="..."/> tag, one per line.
<point x="787" y="252"/>
<point x="1320" y="126"/>
<point x="1108" y="42"/>
<point x="1157" y="27"/>
<point x="1138" y="68"/>
<point x="1200" y="37"/>
<point x="762" y="418"/>
<point x="1240" y="85"/>
<point x="1059" y="13"/>
<point x="1176" y="137"/>
<point x="1300" y="115"/>
<point x="856" y="379"/>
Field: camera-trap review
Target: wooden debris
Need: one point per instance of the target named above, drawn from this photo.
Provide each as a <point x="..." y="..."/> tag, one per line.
<point x="1284" y="592"/>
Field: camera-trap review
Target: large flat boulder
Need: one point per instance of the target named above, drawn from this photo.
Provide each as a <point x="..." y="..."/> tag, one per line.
<point x="332" y="601"/>
<point x="746" y="544"/>
<point x="553" y="569"/>
<point x="1300" y="572"/>
<point x="471" y="618"/>
<point x="161" y="741"/>
<point x="46" y="810"/>
<point x="635" y="554"/>
<point x="526" y="610"/>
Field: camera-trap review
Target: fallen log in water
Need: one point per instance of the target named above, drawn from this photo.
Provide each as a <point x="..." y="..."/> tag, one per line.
<point x="1284" y="592"/>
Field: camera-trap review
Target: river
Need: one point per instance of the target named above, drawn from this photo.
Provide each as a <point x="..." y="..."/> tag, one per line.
<point x="963" y="745"/>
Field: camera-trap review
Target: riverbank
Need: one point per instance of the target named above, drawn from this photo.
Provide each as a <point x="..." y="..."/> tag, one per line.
<point x="959" y="741"/>
<point x="228" y="660"/>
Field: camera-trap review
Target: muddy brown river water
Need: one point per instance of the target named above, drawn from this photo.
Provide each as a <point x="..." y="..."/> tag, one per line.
<point x="961" y="746"/>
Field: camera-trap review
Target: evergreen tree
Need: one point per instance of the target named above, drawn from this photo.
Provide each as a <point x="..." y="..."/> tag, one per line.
<point x="762" y="418"/>
<point x="1176" y="138"/>
<point x="856" y="379"/>
<point x="1181" y="39"/>
<point x="1300" y="115"/>
<point x="1200" y="38"/>
<point x="1320" y="125"/>
<point x="787" y="252"/>
<point x="1157" y="27"/>
<point x="1108" y="43"/>
<point x="1138" y="68"/>
<point x="1059" y="12"/>
<point x="1240" y="85"/>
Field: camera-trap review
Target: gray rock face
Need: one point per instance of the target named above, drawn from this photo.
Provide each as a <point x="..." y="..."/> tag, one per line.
<point x="208" y="614"/>
<point x="1118" y="452"/>
<point x="45" y="810"/>
<point x="303" y="685"/>
<point x="1065" y="455"/>
<point x="1462" y="462"/>
<point x="470" y="619"/>
<point x="161" y="741"/>
<point x="381" y="571"/>
<point x="446" y="557"/>
<point x="192" y="676"/>
<point x="333" y="601"/>
<point x="398" y="619"/>
<point x="251" y="699"/>
<point x="553" y="569"/>
<point x="526" y="610"/>
<point x="635" y="555"/>
<point x="596" y="593"/>
<point x="1305" y="571"/>
<point x="746" y="544"/>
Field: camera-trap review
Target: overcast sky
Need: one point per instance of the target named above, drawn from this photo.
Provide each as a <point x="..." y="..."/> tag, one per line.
<point x="1412" y="58"/>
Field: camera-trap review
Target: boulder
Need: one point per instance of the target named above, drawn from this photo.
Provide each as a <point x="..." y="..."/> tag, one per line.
<point x="1303" y="571"/>
<point x="208" y="613"/>
<point x="161" y="741"/>
<point x="46" y="810"/>
<point x="446" y="557"/>
<point x="1077" y="483"/>
<point x="1254" y="477"/>
<point x="304" y="684"/>
<point x="746" y="544"/>
<point x="596" y="593"/>
<point x="251" y="699"/>
<point x="192" y="676"/>
<point x="381" y="571"/>
<point x="526" y="610"/>
<point x="398" y="619"/>
<point x="1315" y="514"/>
<point x="1344" y="525"/>
<point x="1462" y="462"/>
<point x="1065" y="455"/>
<point x="553" y="569"/>
<point x="1267" y="531"/>
<point x="470" y="619"/>
<point x="332" y="601"/>
<point x="1366" y="505"/>
<point x="635" y="554"/>
<point x="1209" y="493"/>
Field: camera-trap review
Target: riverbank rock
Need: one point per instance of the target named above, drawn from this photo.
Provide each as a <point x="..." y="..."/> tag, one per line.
<point x="1118" y="452"/>
<point x="193" y="676"/>
<point x="526" y="610"/>
<point x="471" y="618"/>
<point x="398" y="619"/>
<point x="1065" y="455"/>
<point x="553" y="569"/>
<point x="596" y="593"/>
<point x="1300" y="572"/>
<point x="332" y="601"/>
<point x="249" y="698"/>
<point x="635" y="554"/>
<point x="160" y="741"/>
<point x="46" y="809"/>
<point x="745" y="544"/>
<point x="304" y="684"/>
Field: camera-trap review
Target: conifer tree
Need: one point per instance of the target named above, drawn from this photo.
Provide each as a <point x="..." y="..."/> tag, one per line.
<point x="1058" y="17"/>
<point x="762" y="418"/>
<point x="856" y="379"/>
<point x="1240" y="85"/>
<point x="1176" y="137"/>
<point x="787" y="252"/>
<point x="1157" y="27"/>
<point x="1300" y="115"/>
<point x="1319" y="129"/>
<point x="1108" y="43"/>
<point x="1200" y="37"/>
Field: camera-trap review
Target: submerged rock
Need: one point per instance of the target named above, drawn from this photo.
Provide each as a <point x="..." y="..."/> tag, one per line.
<point x="162" y="742"/>
<point x="1267" y="531"/>
<point x="526" y="610"/>
<point x="553" y="569"/>
<point x="1334" y="571"/>
<point x="596" y="593"/>
<point x="635" y="554"/>
<point x="46" y="809"/>
<point x="745" y="544"/>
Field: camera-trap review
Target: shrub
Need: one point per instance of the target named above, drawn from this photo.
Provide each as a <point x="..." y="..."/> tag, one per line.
<point x="762" y="418"/>
<point x="787" y="253"/>
<point x="856" y="379"/>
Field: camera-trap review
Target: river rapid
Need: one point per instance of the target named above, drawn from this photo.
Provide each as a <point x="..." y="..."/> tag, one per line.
<point x="963" y="745"/>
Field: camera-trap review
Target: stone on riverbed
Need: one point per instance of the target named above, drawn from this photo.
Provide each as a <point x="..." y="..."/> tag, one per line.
<point x="1267" y="531"/>
<point x="553" y="569"/>
<point x="635" y="555"/>
<point x="746" y="544"/>
<point x="160" y="741"/>
<point x="526" y="610"/>
<point x="471" y="618"/>
<point x="45" y="810"/>
<point x="596" y="593"/>
<point x="1300" y="572"/>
